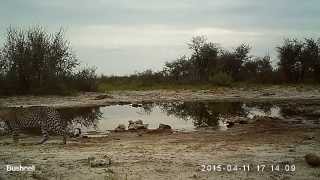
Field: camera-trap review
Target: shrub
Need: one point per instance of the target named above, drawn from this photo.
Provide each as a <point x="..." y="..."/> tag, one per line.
<point x="34" y="61"/>
<point x="86" y="80"/>
<point x="221" y="79"/>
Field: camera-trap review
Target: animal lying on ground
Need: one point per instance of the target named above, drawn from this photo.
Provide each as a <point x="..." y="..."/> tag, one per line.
<point x="47" y="119"/>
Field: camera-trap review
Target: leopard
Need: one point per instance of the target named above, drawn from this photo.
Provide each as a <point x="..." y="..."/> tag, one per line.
<point x="47" y="119"/>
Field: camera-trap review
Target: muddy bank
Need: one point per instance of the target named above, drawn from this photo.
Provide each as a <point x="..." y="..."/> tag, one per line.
<point x="169" y="155"/>
<point x="270" y="93"/>
<point x="174" y="154"/>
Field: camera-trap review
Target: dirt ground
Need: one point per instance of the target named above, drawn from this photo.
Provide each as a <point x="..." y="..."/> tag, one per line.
<point x="263" y="93"/>
<point x="170" y="155"/>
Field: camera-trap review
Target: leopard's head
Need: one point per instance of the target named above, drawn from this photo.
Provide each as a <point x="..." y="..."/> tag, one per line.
<point x="73" y="132"/>
<point x="4" y="116"/>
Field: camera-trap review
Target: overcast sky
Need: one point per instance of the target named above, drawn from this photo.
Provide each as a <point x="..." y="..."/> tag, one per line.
<point x="123" y="36"/>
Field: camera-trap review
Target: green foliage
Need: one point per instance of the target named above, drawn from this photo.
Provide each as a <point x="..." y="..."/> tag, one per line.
<point x="221" y="79"/>
<point x="299" y="60"/>
<point x="34" y="61"/>
<point x="210" y="65"/>
<point x="258" y="70"/>
<point x="207" y="57"/>
<point x="86" y="80"/>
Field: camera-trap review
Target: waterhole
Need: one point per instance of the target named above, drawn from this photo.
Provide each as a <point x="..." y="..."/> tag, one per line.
<point x="190" y="116"/>
<point x="187" y="116"/>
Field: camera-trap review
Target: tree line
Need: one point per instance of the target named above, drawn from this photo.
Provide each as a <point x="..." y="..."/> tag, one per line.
<point x="209" y="63"/>
<point x="34" y="61"/>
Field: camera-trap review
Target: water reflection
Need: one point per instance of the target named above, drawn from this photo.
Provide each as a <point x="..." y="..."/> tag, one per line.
<point x="203" y="114"/>
<point x="81" y="116"/>
<point x="183" y="115"/>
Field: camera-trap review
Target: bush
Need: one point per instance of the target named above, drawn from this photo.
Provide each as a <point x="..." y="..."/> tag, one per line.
<point x="221" y="79"/>
<point x="86" y="80"/>
<point x="34" y="61"/>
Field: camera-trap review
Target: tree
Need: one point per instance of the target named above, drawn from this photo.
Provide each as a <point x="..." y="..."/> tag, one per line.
<point x="309" y="57"/>
<point x="179" y="69"/>
<point x="206" y="60"/>
<point x="242" y="52"/>
<point x="299" y="59"/>
<point x="203" y="57"/>
<point x="35" y="61"/>
<point x="259" y="69"/>
<point x="289" y="55"/>
<point x="231" y="62"/>
<point x="316" y="71"/>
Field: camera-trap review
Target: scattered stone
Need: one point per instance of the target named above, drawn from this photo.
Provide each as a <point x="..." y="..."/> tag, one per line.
<point x="312" y="159"/>
<point x="309" y="137"/>
<point x="230" y="124"/>
<point x="38" y="175"/>
<point x="233" y="120"/>
<point x="135" y="125"/>
<point x="136" y="122"/>
<point x="120" y="128"/>
<point x="136" y="105"/>
<point x="99" y="163"/>
<point x="268" y="94"/>
<point x="142" y="126"/>
<point x="104" y="96"/>
<point x="95" y="163"/>
<point x="164" y="126"/>
<point x="62" y="164"/>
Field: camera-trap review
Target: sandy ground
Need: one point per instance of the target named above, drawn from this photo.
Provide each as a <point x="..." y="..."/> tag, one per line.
<point x="268" y="93"/>
<point x="170" y="155"/>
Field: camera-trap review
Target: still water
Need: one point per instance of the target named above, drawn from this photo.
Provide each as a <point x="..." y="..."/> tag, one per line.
<point x="186" y="116"/>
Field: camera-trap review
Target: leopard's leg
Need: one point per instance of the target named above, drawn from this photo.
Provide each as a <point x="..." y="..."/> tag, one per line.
<point x="64" y="138"/>
<point x="14" y="132"/>
<point x="64" y="133"/>
<point x="45" y="134"/>
<point x="15" y="135"/>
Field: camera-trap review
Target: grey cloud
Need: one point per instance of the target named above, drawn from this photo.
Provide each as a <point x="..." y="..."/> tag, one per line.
<point x="272" y="19"/>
